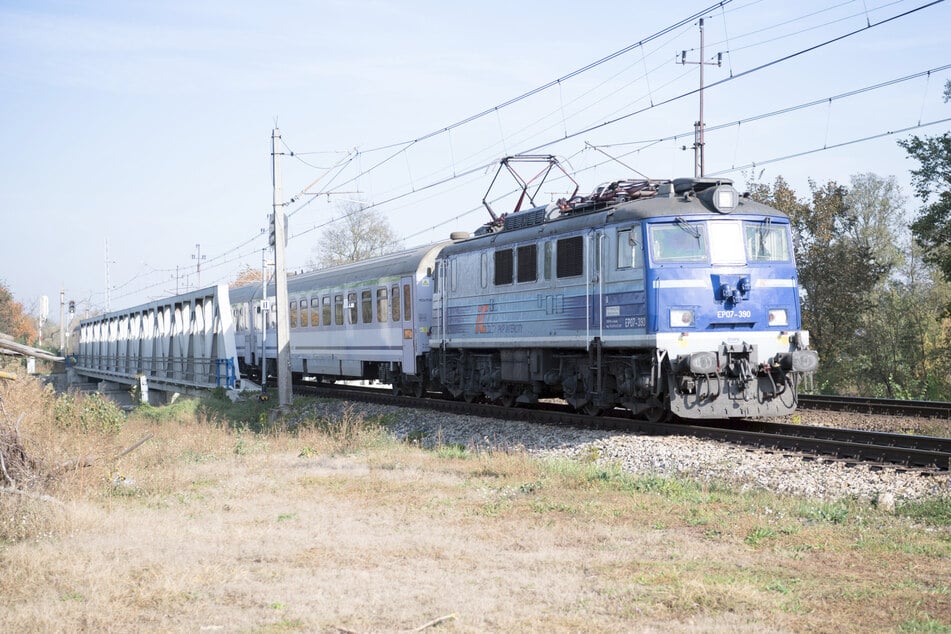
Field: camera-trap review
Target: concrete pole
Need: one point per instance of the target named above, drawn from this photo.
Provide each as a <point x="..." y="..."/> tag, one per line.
<point x="284" y="387"/>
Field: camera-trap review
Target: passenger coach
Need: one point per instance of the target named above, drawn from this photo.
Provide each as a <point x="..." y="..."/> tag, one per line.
<point x="370" y="319"/>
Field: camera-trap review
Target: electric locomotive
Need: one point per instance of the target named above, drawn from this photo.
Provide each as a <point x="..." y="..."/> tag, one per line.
<point x="663" y="297"/>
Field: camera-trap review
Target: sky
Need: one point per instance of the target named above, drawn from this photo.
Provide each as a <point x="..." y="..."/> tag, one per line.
<point x="138" y="134"/>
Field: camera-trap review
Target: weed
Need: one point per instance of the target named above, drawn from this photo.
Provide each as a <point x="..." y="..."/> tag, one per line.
<point x="179" y="410"/>
<point x="935" y="511"/>
<point x="284" y="517"/>
<point x="453" y="451"/>
<point x="416" y="437"/>
<point x="759" y="534"/>
<point x="925" y="624"/>
<point x="829" y="512"/>
<point x="591" y="454"/>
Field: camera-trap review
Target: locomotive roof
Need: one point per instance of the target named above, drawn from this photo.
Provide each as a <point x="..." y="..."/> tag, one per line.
<point x="393" y="264"/>
<point x="677" y="198"/>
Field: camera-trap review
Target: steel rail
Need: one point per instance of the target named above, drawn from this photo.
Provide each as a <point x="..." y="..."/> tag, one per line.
<point x="867" y="405"/>
<point x="919" y="452"/>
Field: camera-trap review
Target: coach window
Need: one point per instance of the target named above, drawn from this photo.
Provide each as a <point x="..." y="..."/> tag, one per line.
<point x="407" y="303"/>
<point x="503" y="267"/>
<point x="395" y="303"/>
<point x="351" y="308"/>
<point x="629" y="253"/>
<point x="293" y="314"/>
<point x="271" y="313"/>
<point x="338" y="310"/>
<point x="382" y="307"/>
<point x="325" y="309"/>
<point x="315" y="312"/>
<point x="304" y="313"/>
<point x="570" y="257"/>
<point x="366" y="303"/>
<point x="528" y="263"/>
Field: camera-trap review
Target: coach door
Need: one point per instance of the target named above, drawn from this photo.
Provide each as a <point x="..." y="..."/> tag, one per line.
<point x="407" y="294"/>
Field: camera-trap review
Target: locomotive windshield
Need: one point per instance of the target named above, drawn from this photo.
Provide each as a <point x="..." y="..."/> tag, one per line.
<point x="681" y="242"/>
<point x="766" y="242"/>
<point x="731" y="242"/>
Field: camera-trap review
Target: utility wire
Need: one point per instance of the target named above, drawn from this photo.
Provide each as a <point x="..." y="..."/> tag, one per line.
<point x="590" y="128"/>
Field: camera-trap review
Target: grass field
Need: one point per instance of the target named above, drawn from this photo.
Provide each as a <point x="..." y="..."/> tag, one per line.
<point x="223" y="522"/>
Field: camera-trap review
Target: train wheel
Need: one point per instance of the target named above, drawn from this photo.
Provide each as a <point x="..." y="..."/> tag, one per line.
<point x="656" y="413"/>
<point x="591" y="409"/>
<point x="507" y="400"/>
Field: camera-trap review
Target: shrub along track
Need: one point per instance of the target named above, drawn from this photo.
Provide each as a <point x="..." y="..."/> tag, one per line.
<point x="924" y="453"/>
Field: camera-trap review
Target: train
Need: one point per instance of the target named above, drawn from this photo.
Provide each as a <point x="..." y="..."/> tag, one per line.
<point x="674" y="297"/>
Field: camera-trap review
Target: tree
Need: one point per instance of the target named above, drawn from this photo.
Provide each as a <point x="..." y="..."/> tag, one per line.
<point x="13" y="319"/>
<point x="876" y="209"/>
<point x="837" y="273"/>
<point x="932" y="182"/>
<point x="361" y="233"/>
<point x="247" y="275"/>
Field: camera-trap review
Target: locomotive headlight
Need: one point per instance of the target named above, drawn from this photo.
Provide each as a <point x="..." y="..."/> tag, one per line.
<point x="778" y="317"/>
<point x="680" y="317"/>
<point x="724" y="199"/>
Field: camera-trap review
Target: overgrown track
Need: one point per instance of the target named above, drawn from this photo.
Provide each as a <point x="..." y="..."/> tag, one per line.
<point x="866" y="405"/>
<point x="853" y="446"/>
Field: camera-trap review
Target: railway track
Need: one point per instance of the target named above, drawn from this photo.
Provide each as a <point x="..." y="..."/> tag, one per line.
<point x="852" y="446"/>
<point x="866" y="405"/>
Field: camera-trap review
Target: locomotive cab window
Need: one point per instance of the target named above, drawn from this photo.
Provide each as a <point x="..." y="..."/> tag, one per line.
<point x="766" y="242"/>
<point x="569" y="260"/>
<point x="629" y="251"/>
<point x="681" y="242"/>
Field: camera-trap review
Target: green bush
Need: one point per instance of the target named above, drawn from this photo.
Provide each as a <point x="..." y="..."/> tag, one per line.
<point x="88" y="412"/>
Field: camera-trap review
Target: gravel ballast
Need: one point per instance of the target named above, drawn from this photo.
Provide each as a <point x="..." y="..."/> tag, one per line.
<point x="704" y="460"/>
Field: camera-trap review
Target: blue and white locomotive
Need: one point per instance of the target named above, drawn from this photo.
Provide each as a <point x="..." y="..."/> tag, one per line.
<point x="663" y="297"/>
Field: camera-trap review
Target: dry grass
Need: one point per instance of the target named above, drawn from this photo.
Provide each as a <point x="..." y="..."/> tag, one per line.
<point x="211" y="527"/>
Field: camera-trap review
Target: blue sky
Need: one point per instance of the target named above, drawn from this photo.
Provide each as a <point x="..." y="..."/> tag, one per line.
<point x="148" y="124"/>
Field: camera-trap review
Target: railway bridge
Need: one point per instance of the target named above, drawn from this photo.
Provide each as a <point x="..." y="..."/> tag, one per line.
<point x="177" y="344"/>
